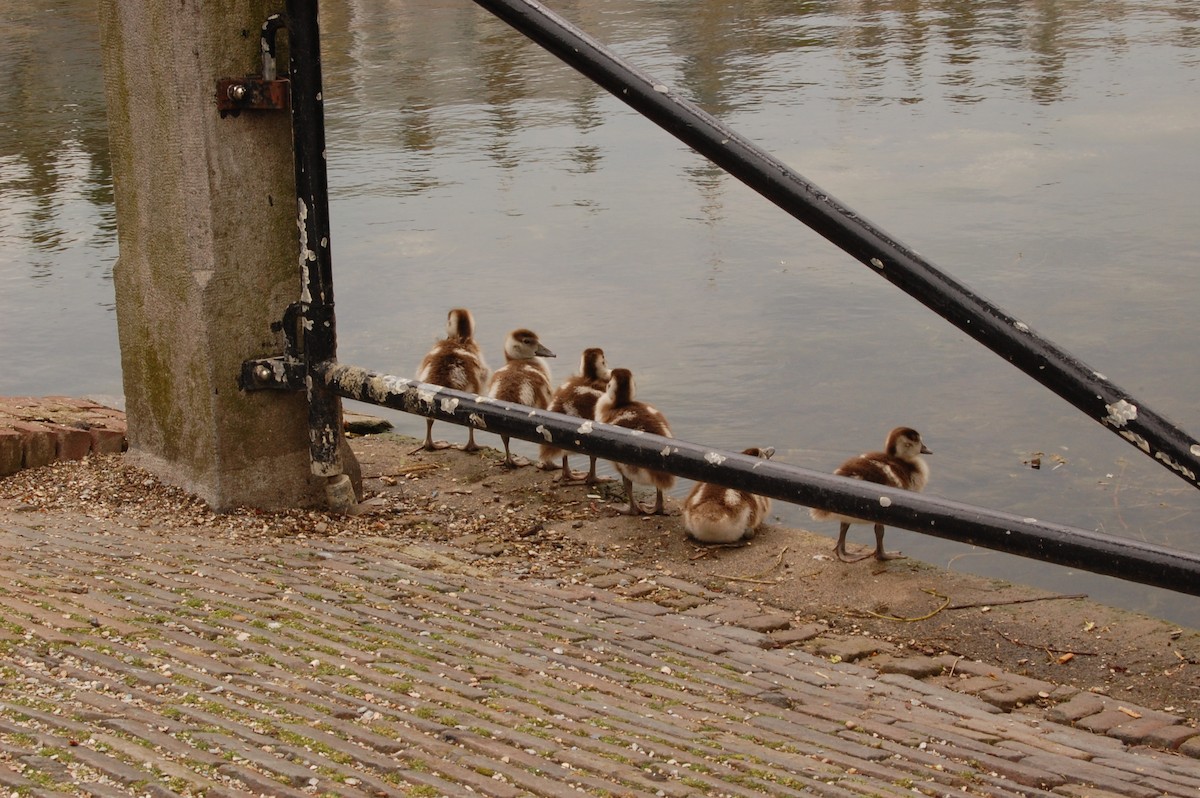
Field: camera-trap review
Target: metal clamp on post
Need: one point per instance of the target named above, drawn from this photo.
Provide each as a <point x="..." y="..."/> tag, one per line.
<point x="265" y="92"/>
<point x="281" y="373"/>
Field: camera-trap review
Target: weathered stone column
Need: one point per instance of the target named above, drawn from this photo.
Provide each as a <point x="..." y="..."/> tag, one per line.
<point x="208" y="251"/>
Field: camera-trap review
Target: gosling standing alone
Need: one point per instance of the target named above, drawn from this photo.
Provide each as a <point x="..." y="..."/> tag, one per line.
<point x="714" y="514"/>
<point x="455" y="362"/>
<point x="577" y="397"/>
<point x="900" y="465"/>
<point x="618" y="406"/>
<point x="523" y="379"/>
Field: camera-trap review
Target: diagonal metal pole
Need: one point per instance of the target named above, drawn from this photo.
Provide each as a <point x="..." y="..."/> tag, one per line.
<point x="1084" y="387"/>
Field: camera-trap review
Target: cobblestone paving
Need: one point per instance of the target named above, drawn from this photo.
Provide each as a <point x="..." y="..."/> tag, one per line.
<point x="149" y="662"/>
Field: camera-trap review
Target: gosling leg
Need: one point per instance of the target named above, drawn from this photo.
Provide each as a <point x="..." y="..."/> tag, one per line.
<point x="880" y="554"/>
<point x="632" y="508"/>
<point x="568" y="476"/>
<point x="659" y="506"/>
<point x="430" y="444"/>
<point x="840" y="548"/>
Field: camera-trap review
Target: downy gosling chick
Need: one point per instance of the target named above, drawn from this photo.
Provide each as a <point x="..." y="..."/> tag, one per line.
<point x="455" y="362"/>
<point x="523" y="379"/>
<point x="714" y="514"/>
<point x="577" y="397"/>
<point x="900" y="465"/>
<point x="619" y="407"/>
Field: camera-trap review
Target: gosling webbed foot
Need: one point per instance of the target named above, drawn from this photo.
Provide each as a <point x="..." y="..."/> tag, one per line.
<point x="571" y="478"/>
<point x="844" y="556"/>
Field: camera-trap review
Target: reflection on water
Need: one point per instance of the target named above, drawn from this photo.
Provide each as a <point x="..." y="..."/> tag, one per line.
<point x="57" y="224"/>
<point x="53" y="142"/>
<point x="1041" y="152"/>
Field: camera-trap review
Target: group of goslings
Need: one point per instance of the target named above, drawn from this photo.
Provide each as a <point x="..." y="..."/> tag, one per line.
<point x="711" y="513"/>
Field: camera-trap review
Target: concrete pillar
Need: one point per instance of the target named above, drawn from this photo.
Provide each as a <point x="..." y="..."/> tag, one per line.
<point x="208" y="250"/>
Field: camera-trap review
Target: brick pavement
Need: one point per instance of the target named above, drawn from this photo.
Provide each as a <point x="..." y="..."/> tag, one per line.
<point x="155" y="662"/>
<point x="143" y="661"/>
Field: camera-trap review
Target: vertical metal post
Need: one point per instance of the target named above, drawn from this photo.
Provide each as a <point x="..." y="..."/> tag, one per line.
<point x="319" y="339"/>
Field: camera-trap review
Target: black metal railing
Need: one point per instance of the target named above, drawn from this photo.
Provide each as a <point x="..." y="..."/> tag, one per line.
<point x="309" y="362"/>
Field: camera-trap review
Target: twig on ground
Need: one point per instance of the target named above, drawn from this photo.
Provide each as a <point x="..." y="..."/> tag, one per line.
<point x="778" y="562"/>
<point x="945" y="603"/>
<point x="1047" y="649"/>
<point x="747" y="579"/>
<point x="416" y="468"/>
<point x="1015" y="601"/>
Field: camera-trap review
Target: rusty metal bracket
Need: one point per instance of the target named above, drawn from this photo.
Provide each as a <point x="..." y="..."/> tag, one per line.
<point x="263" y="92"/>
<point x="284" y="372"/>
<point x="272" y="374"/>
<point x="252" y="93"/>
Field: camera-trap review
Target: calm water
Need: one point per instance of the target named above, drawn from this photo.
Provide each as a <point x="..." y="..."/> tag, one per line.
<point x="1043" y="153"/>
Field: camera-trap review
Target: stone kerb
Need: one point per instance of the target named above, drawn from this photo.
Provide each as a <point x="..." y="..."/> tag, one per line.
<point x="38" y="431"/>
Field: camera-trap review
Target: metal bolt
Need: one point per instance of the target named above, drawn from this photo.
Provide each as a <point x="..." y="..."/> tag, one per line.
<point x="262" y="374"/>
<point x="238" y="92"/>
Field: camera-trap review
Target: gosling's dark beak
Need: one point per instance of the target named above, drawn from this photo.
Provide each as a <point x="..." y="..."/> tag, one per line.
<point x="768" y="452"/>
<point x="544" y="352"/>
<point x="925" y="449"/>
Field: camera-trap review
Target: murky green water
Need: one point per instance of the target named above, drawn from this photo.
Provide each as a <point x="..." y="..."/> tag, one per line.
<point x="1043" y="153"/>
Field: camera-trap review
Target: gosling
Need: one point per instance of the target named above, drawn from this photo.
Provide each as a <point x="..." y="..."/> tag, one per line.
<point x="455" y="362"/>
<point x="524" y="379"/>
<point x="713" y="514"/>
<point x="900" y="465"/>
<point x="619" y="407"/>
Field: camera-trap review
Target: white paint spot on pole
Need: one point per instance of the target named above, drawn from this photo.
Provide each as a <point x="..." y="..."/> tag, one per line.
<point x="585" y="428"/>
<point x="1022" y="326"/>
<point x="449" y="405"/>
<point x="884" y="501"/>
<point x="302" y="226"/>
<point x="714" y="458"/>
<point x="877" y="263"/>
<point x="1136" y="440"/>
<point x="1174" y="465"/>
<point x="545" y="433"/>
<point x="1120" y="414"/>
